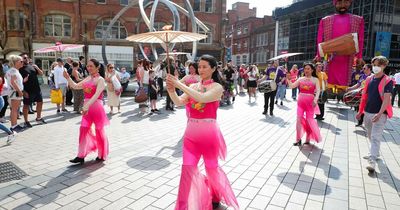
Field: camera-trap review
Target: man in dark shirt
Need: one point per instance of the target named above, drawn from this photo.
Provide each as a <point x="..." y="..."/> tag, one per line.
<point x="228" y="74"/>
<point x="375" y="104"/>
<point x="32" y="91"/>
<point x="68" y="95"/>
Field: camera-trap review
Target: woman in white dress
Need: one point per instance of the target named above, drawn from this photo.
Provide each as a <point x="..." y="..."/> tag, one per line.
<point x="113" y="89"/>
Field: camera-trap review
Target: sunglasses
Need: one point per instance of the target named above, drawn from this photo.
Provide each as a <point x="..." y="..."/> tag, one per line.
<point x="111" y="67"/>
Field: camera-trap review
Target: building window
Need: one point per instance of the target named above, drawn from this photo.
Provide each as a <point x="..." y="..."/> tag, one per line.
<point x="15" y="20"/>
<point x="196" y="5"/>
<point x="57" y="25"/>
<point x="101" y="1"/>
<point x="245" y="30"/>
<point x="123" y="2"/>
<point x="239" y="46"/>
<point x="244" y="59"/>
<point x="118" y="31"/>
<point x="239" y="31"/>
<point x="238" y="59"/>
<point x="245" y="44"/>
<point x="209" y="38"/>
<point x="209" y="7"/>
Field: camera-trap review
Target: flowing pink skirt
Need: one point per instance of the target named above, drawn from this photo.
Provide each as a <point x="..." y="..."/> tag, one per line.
<point x="92" y="135"/>
<point x="197" y="191"/>
<point x="307" y="124"/>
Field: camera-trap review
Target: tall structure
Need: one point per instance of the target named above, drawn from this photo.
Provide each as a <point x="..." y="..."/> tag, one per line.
<point x="240" y="11"/>
<point x="263" y="43"/>
<point x="33" y="24"/>
<point x="298" y="25"/>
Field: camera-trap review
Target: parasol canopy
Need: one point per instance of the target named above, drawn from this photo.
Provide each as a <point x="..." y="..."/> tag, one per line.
<point x="286" y="55"/>
<point x="59" y="47"/>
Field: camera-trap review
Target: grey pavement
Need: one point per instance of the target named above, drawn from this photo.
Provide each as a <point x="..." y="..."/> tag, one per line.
<point x="143" y="169"/>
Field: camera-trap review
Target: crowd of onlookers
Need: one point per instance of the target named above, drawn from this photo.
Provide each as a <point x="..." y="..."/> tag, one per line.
<point x="19" y="83"/>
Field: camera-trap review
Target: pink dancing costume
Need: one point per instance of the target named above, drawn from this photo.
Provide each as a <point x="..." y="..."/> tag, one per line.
<point x="203" y="138"/>
<point x="91" y="140"/>
<point x="308" y="124"/>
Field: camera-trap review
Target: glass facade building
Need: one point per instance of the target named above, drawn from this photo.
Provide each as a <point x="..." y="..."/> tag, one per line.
<point x="298" y="26"/>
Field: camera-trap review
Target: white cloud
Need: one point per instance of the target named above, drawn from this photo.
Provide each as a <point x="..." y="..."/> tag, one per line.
<point x="264" y="7"/>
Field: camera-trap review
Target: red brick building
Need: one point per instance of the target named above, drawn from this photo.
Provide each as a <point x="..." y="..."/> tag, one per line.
<point x="32" y="24"/>
<point x="243" y="39"/>
<point x="240" y="11"/>
<point x="263" y="43"/>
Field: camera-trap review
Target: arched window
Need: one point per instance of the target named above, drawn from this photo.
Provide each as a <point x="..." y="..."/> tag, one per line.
<point x="209" y="34"/>
<point x="57" y="25"/>
<point x="118" y="31"/>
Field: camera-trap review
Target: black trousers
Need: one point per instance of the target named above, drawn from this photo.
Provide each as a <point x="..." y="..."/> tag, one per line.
<point x="396" y="91"/>
<point x="170" y="104"/>
<point x="360" y="122"/>
<point x="269" y="98"/>
<point x="322" y="110"/>
<point x="4" y="109"/>
<point x="161" y="86"/>
<point x="68" y="97"/>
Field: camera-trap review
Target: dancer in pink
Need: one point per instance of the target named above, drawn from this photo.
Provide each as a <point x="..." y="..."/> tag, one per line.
<point x="340" y="66"/>
<point x="93" y="114"/>
<point x="193" y="76"/>
<point x="307" y="104"/>
<point x="202" y="138"/>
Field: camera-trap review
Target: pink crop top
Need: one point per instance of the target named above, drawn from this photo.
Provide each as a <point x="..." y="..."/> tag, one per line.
<point x="307" y="86"/>
<point x="191" y="80"/>
<point x="202" y="110"/>
<point x="89" y="89"/>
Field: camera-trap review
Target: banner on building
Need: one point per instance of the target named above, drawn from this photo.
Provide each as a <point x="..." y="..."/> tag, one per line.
<point x="382" y="43"/>
<point x="228" y="54"/>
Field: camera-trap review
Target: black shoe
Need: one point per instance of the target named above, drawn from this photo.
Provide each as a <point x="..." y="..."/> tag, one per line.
<point x="307" y="142"/>
<point x="77" y="160"/>
<point x="276" y="102"/>
<point x="152" y="111"/>
<point x="359" y="125"/>
<point x="297" y="143"/>
<point x="264" y="112"/>
<point x="17" y="128"/>
<point x="233" y="99"/>
<point x="27" y="125"/>
<point x="271" y="113"/>
<point x="281" y="103"/>
<point x="215" y="205"/>
<point x="30" y="112"/>
<point x="99" y="159"/>
<point x="41" y="120"/>
<point x="58" y="111"/>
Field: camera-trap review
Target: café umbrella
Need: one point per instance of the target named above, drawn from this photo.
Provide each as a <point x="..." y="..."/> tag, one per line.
<point x="166" y="37"/>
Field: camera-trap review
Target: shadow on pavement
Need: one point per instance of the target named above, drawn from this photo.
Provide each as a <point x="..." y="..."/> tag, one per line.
<point x="319" y="160"/>
<point x="386" y="176"/>
<point x="275" y="120"/>
<point x="331" y="127"/>
<point x="69" y="176"/>
<point x="316" y="182"/>
<point x="148" y="163"/>
<point x="341" y="113"/>
<point x="177" y="149"/>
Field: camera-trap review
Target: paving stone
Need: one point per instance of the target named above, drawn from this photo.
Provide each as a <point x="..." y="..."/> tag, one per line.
<point x="280" y="199"/>
<point x="357" y="203"/>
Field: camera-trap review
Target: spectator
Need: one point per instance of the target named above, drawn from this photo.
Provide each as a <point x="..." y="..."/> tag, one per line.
<point x="60" y="83"/>
<point x="14" y="78"/>
<point x="77" y="76"/>
<point x="125" y="76"/>
<point x="32" y="91"/>
<point x="112" y="98"/>
<point x="68" y="96"/>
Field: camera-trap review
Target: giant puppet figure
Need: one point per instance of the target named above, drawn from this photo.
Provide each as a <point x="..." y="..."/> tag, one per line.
<point x="339" y="67"/>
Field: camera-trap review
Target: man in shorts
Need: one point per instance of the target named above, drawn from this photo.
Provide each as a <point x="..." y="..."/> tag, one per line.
<point x="60" y="82"/>
<point x="32" y="92"/>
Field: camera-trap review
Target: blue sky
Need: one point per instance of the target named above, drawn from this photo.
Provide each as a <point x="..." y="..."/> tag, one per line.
<point x="264" y="7"/>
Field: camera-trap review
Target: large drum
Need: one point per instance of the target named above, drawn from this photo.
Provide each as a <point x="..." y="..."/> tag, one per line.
<point x="353" y="98"/>
<point x="343" y="45"/>
<point x="267" y="86"/>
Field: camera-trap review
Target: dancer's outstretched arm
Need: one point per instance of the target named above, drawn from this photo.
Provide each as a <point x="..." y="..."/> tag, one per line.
<point x="72" y="84"/>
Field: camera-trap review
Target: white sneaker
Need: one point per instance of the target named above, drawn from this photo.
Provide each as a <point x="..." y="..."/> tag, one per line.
<point x="371" y="166"/>
<point x="11" y="137"/>
<point x="367" y="157"/>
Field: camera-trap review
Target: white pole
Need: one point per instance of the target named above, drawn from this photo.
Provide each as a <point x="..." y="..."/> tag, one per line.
<point x="276" y="37"/>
